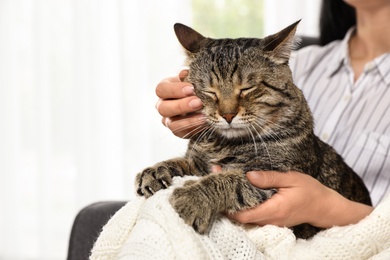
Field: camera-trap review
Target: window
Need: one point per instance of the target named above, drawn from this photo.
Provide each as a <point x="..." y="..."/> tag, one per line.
<point x="248" y="18"/>
<point x="228" y="18"/>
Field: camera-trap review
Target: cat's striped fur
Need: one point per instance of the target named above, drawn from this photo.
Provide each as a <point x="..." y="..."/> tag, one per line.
<point x="257" y="119"/>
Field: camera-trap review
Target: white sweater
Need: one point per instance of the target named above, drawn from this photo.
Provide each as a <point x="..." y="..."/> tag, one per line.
<point x="151" y="229"/>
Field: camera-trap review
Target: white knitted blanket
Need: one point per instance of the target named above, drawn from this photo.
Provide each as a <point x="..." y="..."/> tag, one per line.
<point x="151" y="229"/>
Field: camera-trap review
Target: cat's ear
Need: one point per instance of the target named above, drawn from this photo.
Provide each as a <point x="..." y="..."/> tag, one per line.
<point x="282" y="43"/>
<point x="190" y="39"/>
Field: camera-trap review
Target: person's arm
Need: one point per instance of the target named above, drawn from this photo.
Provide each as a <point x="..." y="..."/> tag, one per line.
<point x="300" y="199"/>
<point x="176" y="105"/>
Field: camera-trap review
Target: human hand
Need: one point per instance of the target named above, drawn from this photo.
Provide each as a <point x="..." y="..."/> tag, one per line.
<point x="300" y="199"/>
<point x="177" y="104"/>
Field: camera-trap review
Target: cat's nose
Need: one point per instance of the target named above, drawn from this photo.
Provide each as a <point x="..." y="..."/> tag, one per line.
<point x="229" y="117"/>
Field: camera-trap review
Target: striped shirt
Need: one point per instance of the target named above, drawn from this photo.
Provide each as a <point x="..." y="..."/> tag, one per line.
<point x="352" y="116"/>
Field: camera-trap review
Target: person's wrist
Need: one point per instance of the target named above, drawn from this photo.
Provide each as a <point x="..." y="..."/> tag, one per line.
<point x="337" y="210"/>
<point x="329" y="214"/>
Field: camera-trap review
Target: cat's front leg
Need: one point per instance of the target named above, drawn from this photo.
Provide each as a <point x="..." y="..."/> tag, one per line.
<point x="200" y="202"/>
<point x="159" y="176"/>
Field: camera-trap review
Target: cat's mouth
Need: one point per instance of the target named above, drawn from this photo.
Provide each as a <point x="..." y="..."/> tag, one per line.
<point x="232" y="130"/>
<point x="236" y="128"/>
<point x="231" y="126"/>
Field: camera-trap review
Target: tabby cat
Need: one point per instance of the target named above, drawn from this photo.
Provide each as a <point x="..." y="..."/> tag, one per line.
<point x="257" y="119"/>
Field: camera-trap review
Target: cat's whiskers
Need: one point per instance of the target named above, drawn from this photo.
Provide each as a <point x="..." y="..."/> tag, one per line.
<point x="269" y="156"/>
<point x="269" y="132"/>
<point x="207" y="129"/>
<point x="253" y="138"/>
<point x="195" y="126"/>
<point x="259" y="136"/>
<point x="257" y="124"/>
<point x="195" y="131"/>
<point x="263" y="143"/>
<point x="198" y="127"/>
<point x="212" y="128"/>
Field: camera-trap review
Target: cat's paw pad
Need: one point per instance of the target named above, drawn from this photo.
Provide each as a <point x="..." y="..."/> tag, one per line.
<point x="193" y="207"/>
<point x="153" y="179"/>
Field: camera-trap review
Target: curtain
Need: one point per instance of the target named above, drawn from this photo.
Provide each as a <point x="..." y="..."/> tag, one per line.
<point x="78" y="121"/>
<point x="77" y="116"/>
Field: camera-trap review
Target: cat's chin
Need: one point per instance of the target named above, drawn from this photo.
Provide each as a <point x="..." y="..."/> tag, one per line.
<point x="232" y="133"/>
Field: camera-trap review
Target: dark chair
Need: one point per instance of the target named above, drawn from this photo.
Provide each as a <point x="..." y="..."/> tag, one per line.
<point x="87" y="226"/>
<point x="90" y="220"/>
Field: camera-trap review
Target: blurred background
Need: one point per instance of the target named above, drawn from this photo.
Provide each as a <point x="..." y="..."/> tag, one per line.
<point x="77" y="115"/>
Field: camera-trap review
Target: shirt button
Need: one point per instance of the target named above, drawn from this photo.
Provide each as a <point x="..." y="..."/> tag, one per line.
<point x="346" y="98"/>
<point x="369" y="66"/>
<point x="325" y="136"/>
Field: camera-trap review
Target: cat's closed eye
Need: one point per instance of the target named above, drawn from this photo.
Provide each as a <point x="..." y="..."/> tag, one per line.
<point x="245" y="91"/>
<point x="211" y="94"/>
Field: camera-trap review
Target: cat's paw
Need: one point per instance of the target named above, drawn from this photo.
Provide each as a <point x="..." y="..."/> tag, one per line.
<point x="193" y="207"/>
<point x="153" y="179"/>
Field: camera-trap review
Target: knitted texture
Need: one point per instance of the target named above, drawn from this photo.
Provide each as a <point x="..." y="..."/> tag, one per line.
<point x="151" y="229"/>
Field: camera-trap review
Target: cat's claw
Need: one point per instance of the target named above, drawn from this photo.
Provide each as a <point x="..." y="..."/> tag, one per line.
<point x="193" y="207"/>
<point x="152" y="179"/>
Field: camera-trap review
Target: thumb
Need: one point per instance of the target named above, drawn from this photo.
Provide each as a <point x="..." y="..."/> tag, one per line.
<point x="270" y="179"/>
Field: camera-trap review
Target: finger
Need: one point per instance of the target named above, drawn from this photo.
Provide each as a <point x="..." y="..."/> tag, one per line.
<point x="262" y="214"/>
<point x="170" y="108"/>
<point x="272" y="179"/>
<point x="173" y="88"/>
<point x="185" y="126"/>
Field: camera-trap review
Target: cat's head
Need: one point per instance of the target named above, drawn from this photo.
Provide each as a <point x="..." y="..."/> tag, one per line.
<point x="245" y="84"/>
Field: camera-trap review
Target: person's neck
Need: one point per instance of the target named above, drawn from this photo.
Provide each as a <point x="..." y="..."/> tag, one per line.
<point x="372" y="36"/>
